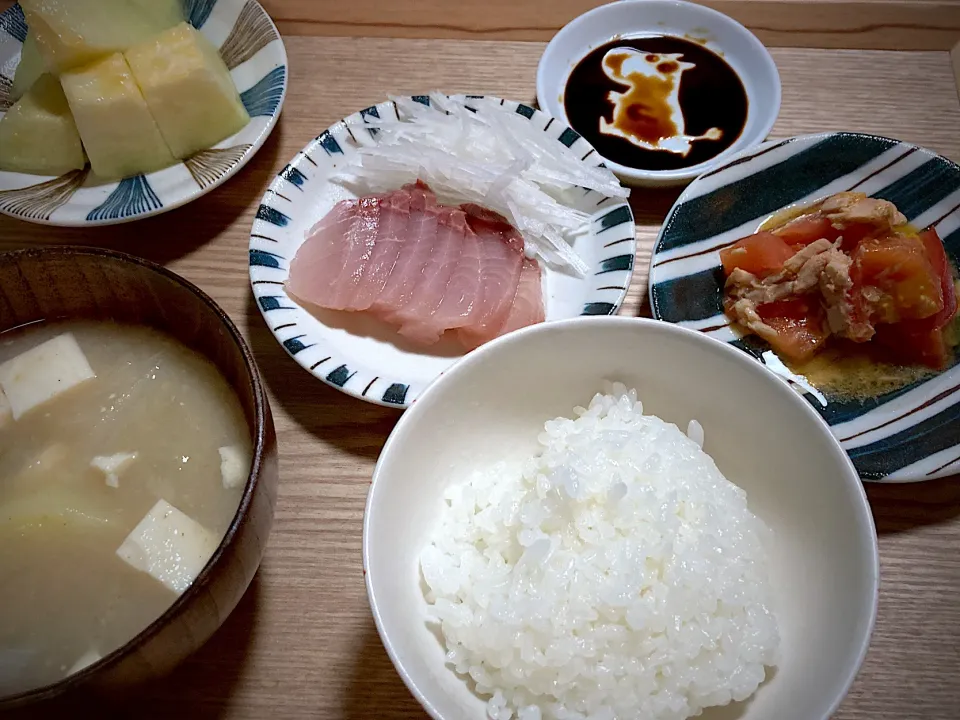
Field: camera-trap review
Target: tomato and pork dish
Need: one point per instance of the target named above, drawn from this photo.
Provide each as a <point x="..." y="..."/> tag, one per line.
<point x="848" y="273"/>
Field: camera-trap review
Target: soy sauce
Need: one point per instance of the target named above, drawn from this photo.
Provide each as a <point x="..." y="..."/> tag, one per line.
<point x="648" y="81"/>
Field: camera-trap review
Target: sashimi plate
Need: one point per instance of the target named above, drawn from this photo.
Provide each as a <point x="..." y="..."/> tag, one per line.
<point x="907" y="435"/>
<point x="357" y="354"/>
<point x="253" y="51"/>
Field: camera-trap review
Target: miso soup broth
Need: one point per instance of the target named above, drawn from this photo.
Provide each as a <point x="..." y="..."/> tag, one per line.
<point x="91" y="551"/>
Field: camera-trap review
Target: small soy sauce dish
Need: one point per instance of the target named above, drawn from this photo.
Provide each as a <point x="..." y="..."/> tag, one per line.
<point x="665" y="90"/>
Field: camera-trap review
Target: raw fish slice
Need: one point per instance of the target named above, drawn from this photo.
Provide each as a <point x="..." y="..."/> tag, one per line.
<point x="320" y="259"/>
<point x="463" y="289"/>
<point x="418" y="245"/>
<point x="391" y="233"/>
<point x="417" y="319"/>
<point x="527" y="307"/>
<point x="501" y="260"/>
<point x="359" y="244"/>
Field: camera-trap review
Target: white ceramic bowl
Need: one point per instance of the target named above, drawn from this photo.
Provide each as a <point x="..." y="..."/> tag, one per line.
<point x="633" y="18"/>
<point x="492" y="405"/>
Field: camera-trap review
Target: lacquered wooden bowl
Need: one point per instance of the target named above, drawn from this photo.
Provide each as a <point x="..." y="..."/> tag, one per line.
<point x="59" y="283"/>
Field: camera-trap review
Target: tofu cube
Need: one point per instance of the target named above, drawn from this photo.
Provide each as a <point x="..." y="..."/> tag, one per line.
<point x="38" y="134"/>
<point x="43" y="373"/>
<point x="115" y="124"/>
<point x="112" y="465"/>
<point x="30" y="67"/>
<point x="188" y="89"/>
<point x="169" y="546"/>
<point x="234" y="466"/>
<point x="70" y="33"/>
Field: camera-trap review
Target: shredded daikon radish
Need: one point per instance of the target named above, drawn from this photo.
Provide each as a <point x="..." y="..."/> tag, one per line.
<point x="495" y="158"/>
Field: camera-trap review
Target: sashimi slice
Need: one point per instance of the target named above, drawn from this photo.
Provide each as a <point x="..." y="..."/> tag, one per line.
<point x="527" y="307"/>
<point x="359" y="241"/>
<point x="462" y="292"/>
<point x="391" y="235"/>
<point x="316" y="267"/>
<point x="417" y="319"/>
<point x="418" y="245"/>
<point x="501" y="260"/>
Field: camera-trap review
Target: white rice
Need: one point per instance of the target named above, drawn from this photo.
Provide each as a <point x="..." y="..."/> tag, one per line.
<point x="619" y="576"/>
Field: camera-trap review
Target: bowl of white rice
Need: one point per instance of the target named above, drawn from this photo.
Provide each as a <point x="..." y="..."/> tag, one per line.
<point x="614" y="518"/>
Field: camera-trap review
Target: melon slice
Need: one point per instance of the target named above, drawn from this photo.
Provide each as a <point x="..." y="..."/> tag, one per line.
<point x="38" y="134"/>
<point x="29" y="69"/>
<point x="188" y="89"/>
<point x="118" y="132"/>
<point x="70" y="33"/>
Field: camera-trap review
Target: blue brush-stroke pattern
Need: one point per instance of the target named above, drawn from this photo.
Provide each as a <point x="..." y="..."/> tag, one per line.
<point x="271" y="302"/>
<point x="293" y="176"/>
<point x="568" y="137"/>
<point x="272" y="216"/>
<point x="921" y="189"/>
<point x="133" y="196"/>
<point x="928" y="437"/>
<point x="262" y="258"/>
<point x="396" y="394"/>
<point x="339" y="376"/>
<point x="294" y="345"/>
<point x="692" y="297"/>
<point x="329" y="143"/>
<point x="264" y="97"/>
<point x="198" y="11"/>
<point x="617" y="216"/>
<point x="14" y="23"/>
<point x="615" y="264"/>
<point x="599" y="308"/>
<point x="423" y="100"/>
<point x="764" y="192"/>
<point x="525" y="110"/>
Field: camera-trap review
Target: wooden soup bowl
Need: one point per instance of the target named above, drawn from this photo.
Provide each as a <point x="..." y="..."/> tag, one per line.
<point x="58" y="283"/>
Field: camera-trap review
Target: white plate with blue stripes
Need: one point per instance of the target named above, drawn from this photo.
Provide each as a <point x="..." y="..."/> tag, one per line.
<point x="252" y="48"/>
<point x="355" y="353"/>
<point x="907" y="435"/>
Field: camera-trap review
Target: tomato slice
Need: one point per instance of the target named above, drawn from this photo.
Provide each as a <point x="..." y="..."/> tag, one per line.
<point x="761" y="254"/>
<point x="799" y="325"/>
<point x="898" y="278"/>
<point x="937" y="256"/>
<point x="807" y="229"/>
<point x="911" y="343"/>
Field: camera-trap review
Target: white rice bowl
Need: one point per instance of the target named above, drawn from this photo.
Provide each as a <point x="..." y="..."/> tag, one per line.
<point x="618" y="576"/>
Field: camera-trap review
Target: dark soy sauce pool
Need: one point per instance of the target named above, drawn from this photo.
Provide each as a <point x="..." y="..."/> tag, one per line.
<point x="711" y="95"/>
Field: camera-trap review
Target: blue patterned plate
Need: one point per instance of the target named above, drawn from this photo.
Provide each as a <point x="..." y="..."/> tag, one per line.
<point x="252" y="48"/>
<point x="360" y="356"/>
<point x="907" y="435"/>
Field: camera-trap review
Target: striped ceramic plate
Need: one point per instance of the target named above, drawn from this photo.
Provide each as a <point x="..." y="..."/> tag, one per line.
<point x="362" y="357"/>
<point x="903" y="436"/>
<point x="251" y="47"/>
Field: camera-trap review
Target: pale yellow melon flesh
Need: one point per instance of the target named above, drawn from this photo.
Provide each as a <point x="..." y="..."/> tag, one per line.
<point x="118" y="132"/>
<point x="38" y="135"/>
<point x="70" y="33"/>
<point x="30" y="67"/>
<point x="188" y="89"/>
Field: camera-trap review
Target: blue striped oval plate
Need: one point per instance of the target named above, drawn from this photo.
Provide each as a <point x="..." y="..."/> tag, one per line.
<point x="358" y="355"/>
<point x="251" y="47"/>
<point x="908" y="435"/>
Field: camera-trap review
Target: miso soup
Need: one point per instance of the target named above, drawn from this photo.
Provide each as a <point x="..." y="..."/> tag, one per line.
<point x="123" y="456"/>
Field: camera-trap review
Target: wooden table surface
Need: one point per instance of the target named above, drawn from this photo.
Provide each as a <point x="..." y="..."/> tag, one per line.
<point x="302" y="643"/>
